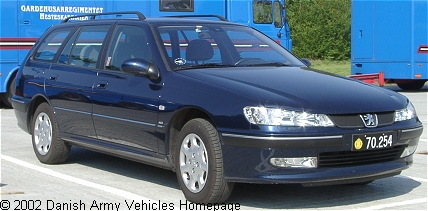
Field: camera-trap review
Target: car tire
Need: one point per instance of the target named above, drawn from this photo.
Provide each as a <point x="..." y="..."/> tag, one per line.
<point x="47" y="145"/>
<point x="199" y="164"/>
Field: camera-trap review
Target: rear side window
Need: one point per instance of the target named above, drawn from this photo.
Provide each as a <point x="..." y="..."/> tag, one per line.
<point x="84" y="47"/>
<point x="50" y="45"/>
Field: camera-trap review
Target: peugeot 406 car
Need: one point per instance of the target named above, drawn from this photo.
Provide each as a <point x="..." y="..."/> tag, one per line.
<point x="214" y="101"/>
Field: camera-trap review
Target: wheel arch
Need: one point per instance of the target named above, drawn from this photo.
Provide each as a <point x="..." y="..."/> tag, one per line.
<point x="177" y="123"/>
<point x="35" y="102"/>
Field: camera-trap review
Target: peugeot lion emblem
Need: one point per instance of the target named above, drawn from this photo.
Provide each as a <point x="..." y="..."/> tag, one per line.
<point x="370" y="120"/>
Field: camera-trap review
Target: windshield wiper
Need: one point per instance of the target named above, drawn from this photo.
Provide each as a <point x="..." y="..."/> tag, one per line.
<point x="197" y="66"/>
<point x="275" y="64"/>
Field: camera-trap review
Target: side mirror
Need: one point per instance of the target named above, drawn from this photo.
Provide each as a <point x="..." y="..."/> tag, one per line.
<point x="306" y="61"/>
<point x="140" y="67"/>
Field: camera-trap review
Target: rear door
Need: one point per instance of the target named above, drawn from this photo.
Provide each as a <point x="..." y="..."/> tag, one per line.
<point x="70" y="80"/>
<point x="36" y="69"/>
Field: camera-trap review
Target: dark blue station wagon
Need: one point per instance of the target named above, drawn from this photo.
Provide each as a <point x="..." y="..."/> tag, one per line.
<point x="214" y="101"/>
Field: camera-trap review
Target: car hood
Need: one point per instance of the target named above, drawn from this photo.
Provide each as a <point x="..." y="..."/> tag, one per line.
<point x="301" y="89"/>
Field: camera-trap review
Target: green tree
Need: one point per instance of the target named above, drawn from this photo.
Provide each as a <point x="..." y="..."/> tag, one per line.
<point x="320" y="29"/>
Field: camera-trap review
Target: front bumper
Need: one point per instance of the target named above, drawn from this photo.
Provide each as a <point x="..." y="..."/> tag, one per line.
<point x="247" y="158"/>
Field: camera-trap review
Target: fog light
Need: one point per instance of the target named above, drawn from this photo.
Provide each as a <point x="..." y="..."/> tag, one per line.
<point x="409" y="150"/>
<point x="303" y="162"/>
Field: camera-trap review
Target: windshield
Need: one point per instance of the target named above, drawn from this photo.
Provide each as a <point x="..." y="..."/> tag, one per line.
<point x="214" y="45"/>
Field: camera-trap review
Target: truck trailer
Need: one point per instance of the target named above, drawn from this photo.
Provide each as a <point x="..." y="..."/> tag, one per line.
<point x="389" y="42"/>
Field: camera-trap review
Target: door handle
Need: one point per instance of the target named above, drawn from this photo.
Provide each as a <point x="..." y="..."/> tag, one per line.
<point x="53" y="77"/>
<point x="102" y="84"/>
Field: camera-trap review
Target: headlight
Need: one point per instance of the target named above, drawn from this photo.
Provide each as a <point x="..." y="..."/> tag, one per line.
<point x="281" y="117"/>
<point x="405" y="114"/>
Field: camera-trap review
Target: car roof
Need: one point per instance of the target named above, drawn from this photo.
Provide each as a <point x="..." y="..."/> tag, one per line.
<point x="186" y="20"/>
<point x="138" y="16"/>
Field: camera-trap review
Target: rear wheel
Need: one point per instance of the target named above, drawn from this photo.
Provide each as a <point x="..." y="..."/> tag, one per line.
<point x="47" y="145"/>
<point x="199" y="163"/>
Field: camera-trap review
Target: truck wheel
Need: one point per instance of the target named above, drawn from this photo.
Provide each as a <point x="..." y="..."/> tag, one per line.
<point x="411" y="84"/>
<point x="199" y="163"/>
<point x="47" y="145"/>
<point x="7" y="97"/>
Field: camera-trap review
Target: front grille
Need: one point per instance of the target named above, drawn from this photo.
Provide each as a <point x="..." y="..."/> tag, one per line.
<point x="352" y="158"/>
<point x="355" y="121"/>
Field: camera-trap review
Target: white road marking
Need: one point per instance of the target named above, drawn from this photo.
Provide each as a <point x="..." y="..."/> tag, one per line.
<point x="413" y="178"/>
<point x="397" y="204"/>
<point x="401" y="203"/>
<point x="108" y="189"/>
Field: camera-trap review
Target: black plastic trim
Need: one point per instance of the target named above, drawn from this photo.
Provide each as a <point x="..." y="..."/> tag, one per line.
<point x="282" y="142"/>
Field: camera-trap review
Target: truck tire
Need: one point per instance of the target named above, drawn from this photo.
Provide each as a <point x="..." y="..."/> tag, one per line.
<point x="199" y="163"/>
<point x="411" y="84"/>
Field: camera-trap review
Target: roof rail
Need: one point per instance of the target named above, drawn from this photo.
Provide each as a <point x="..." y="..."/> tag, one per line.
<point x="92" y="15"/>
<point x="199" y="16"/>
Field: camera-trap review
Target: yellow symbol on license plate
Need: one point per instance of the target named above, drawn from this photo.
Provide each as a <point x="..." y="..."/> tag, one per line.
<point x="358" y="143"/>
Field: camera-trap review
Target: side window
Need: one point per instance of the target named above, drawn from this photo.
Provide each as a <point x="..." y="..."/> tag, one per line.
<point x="51" y="44"/>
<point x="262" y="11"/>
<point x="84" y="47"/>
<point x="278" y="8"/>
<point x="176" y="5"/>
<point x="64" y="57"/>
<point x="128" y="42"/>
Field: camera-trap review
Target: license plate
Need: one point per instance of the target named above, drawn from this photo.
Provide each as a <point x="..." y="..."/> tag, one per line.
<point x="372" y="141"/>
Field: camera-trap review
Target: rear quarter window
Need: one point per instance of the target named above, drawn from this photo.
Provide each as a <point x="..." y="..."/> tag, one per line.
<point x="51" y="44"/>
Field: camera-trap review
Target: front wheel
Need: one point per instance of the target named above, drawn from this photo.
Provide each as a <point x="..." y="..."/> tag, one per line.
<point x="199" y="163"/>
<point x="47" y="145"/>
